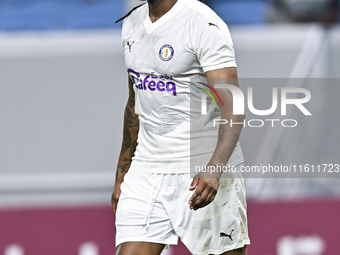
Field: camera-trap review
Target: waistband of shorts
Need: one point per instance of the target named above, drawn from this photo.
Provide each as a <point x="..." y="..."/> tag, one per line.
<point x="164" y="167"/>
<point x="173" y="167"/>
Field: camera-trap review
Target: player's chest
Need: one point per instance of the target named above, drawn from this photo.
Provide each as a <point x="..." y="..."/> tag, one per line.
<point x="163" y="52"/>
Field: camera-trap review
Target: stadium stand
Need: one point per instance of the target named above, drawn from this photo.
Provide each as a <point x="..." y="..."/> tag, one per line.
<point x="17" y="15"/>
<point x="96" y="14"/>
<point x="59" y="14"/>
<point x="241" y="12"/>
<point x="324" y="11"/>
<point x="41" y="15"/>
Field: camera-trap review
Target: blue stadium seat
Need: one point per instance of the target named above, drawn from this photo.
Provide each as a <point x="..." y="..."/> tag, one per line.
<point x="42" y="15"/>
<point x="241" y="12"/>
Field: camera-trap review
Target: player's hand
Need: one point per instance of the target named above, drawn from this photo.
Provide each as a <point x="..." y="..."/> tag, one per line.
<point x="115" y="196"/>
<point x="206" y="190"/>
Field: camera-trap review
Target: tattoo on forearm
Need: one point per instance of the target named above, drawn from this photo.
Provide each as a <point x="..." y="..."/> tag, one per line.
<point x="130" y="118"/>
<point x="221" y="132"/>
<point x="130" y="134"/>
<point x="126" y="139"/>
<point x="123" y="168"/>
<point x="130" y="122"/>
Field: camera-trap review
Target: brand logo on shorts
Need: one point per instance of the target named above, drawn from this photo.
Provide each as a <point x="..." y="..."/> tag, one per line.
<point x="166" y="52"/>
<point x="226" y="235"/>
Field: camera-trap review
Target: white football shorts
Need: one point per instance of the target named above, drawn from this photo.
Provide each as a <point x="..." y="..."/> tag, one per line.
<point x="154" y="208"/>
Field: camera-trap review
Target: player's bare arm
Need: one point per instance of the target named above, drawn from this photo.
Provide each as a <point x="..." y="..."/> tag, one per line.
<point x="206" y="188"/>
<point x="130" y="134"/>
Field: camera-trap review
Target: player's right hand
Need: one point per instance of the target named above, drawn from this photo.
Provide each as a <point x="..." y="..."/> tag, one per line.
<point x="115" y="197"/>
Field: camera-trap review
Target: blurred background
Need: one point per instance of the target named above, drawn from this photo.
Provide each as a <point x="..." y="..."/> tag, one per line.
<point x="63" y="89"/>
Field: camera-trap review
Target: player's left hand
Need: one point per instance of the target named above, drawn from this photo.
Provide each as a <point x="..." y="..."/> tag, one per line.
<point x="206" y="190"/>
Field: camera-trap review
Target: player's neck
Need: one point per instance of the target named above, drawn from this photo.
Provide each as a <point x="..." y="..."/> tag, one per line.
<point x="157" y="8"/>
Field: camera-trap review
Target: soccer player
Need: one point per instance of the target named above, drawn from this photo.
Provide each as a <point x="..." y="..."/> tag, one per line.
<point x="167" y="44"/>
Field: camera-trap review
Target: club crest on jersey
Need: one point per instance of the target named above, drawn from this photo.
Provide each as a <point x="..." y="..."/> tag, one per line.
<point x="166" y="52"/>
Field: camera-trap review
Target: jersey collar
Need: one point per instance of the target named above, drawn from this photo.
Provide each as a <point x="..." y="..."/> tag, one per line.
<point x="150" y="27"/>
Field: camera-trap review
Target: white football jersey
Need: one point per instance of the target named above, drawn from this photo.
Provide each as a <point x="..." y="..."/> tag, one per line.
<point x="162" y="59"/>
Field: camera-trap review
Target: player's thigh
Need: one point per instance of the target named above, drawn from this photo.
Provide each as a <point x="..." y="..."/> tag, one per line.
<point x="240" y="251"/>
<point x="139" y="248"/>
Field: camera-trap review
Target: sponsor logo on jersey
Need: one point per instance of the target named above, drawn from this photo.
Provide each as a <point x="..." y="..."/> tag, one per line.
<point x="153" y="82"/>
<point x="166" y="52"/>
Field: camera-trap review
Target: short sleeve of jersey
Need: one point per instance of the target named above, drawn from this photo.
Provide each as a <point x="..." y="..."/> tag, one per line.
<point x="214" y="44"/>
